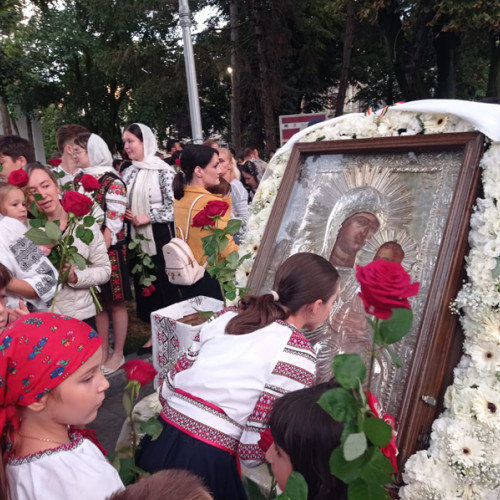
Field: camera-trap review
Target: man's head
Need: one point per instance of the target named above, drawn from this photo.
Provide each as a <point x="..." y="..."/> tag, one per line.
<point x="173" y="145"/>
<point x="15" y="153"/>
<point x="65" y="137"/>
<point x="355" y="230"/>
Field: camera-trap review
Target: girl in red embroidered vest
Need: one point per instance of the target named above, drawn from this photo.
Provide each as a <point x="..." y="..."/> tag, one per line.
<point x="51" y="379"/>
<point x="217" y="398"/>
<point x="93" y="157"/>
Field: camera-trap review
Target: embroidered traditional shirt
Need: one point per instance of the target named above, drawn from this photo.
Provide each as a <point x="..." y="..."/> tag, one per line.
<point x="161" y="195"/>
<point x="26" y="262"/>
<point x="76" y="471"/>
<point x="222" y="389"/>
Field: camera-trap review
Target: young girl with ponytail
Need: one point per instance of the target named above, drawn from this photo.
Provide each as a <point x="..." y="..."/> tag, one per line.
<point x="217" y="397"/>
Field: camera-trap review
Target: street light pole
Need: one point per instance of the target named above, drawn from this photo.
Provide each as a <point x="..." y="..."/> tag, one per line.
<point x="194" y="102"/>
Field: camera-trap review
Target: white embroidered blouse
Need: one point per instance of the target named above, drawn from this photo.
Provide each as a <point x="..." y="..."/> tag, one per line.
<point x="77" y="471"/>
<point x="222" y="389"/>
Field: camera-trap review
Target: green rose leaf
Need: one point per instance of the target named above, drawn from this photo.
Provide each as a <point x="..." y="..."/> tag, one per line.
<point x="341" y="468"/>
<point x="377" y="468"/>
<point x="398" y="363"/>
<point x="296" y="487"/>
<point x="79" y="261"/>
<point x="348" y="370"/>
<point x="79" y="232"/>
<point x="361" y="490"/>
<point x="377" y="431"/>
<point x="52" y="230"/>
<point x="339" y="403"/>
<point x="88" y="220"/>
<point x="152" y="427"/>
<point x="39" y="237"/>
<point x="37" y="196"/>
<point x="233" y="226"/>
<point x="396" y="327"/>
<point x="87" y="236"/>
<point x="354" y="446"/>
<point x="233" y="259"/>
<point x="36" y="223"/>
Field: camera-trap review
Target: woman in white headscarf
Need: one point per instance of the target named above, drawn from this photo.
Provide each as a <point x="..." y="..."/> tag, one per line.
<point x="93" y="157"/>
<point x="151" y="214"/>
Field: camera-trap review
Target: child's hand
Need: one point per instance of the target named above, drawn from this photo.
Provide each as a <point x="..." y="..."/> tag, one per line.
<point x="72" y="277"/>
<point x="18" y="312"/>
<point x="45" y="250"/>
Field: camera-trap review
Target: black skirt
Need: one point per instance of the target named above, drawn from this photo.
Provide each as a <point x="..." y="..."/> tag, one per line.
<point x="175" y="449"/>
<point x="165" y="293"/>
<point x="118" y="287"/>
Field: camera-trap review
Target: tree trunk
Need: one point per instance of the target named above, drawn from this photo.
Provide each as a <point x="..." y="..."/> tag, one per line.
<point x="350" y="26"/>
<point x="29" y="128"/>
<point x="265" y="79"/>
<point x="6" y="124"/>
<point x="446" y="44"/>
<point x="235" y="77"/>
<point x="493" y="90"/>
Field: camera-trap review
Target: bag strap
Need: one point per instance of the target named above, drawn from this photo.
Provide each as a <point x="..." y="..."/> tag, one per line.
<point x="189" y="218"/>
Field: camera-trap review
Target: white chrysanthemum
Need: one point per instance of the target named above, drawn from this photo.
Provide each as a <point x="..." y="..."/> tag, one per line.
<point x="466" y="450"/>
<point x="487" y="406"/>
<point x="492" y="248"/>
<point x="434" y="124"/>
<point x="460" y="401"/>
<point x="490" y="327"/>
<point x="486" y="355"/>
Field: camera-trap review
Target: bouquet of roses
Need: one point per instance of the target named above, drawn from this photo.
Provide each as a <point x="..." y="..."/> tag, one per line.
<point x="63" y="252"/>
<point x="216" y="242"/>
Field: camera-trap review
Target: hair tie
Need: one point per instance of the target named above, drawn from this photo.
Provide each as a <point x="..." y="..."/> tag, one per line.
<point x="275" y="295"/>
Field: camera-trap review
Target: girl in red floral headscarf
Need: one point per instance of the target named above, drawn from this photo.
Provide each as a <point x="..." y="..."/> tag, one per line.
<point x="50" y="379"/>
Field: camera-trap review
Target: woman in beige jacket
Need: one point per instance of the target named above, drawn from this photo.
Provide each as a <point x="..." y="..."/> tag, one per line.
<point x="74" y="299"/>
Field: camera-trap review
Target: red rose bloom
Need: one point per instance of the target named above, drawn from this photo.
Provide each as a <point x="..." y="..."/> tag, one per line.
<point x="152" y="288"/>
<point x="206" y="217"/>
<point x="55" y="162"/>
<point x="146" y="292"/>
<point x="216" y="207"/>
<point x="385" y="286"/>
<point x="18" y="178"/>
<point x="390" y="451"/>
<point x="77" y="203"/>
<point x="266" y="440"/>
<point x="142" y="371"/>
<point x="89" y="182"/>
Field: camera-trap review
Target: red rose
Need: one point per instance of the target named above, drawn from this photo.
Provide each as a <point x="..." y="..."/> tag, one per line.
<point x="152" y="288"/>
<point x="266" y="440"/>
<point x="55" y="162"/>
<point x="77" y="203"/>
<point x="385" y="286"/>
<point x="206" y="217"/>
<point x="18" y="178"/>
<point x="178" y="162"/>
<point x="146" y="292"/>
<point x="142" y="371"/>
<point x="89" y="182"/>
<point x="216" y="207"/>
<point x="390" y="451"/>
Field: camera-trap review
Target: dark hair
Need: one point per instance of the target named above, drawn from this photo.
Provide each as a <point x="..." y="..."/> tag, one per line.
<point x="223" y="188"/>
<point x="308" y="435"/>
<point x="172" y="484"/>
<point x="302" y="279"/>
<point x="15" y="147"/>
<point x="171" y="144"/>
<point x="136" y="130"/>
<point x="248" y="151"/>
<point x="5" y="276"/>
<point x="31" y="167"/>
<point x="82" y="140"/>
<point x="67" y="133"/>
<point x="195" y="155"/>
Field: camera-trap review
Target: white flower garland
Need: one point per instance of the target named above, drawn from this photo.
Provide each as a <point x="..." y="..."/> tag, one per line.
<point x="463" y="460"/>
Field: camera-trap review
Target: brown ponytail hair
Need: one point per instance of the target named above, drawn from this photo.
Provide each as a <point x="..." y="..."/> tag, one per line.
<point x="302" y="279"/>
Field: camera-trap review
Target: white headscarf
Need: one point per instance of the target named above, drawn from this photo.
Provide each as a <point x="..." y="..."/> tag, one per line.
<point x="146" y="177"/>
<point x="100" y="158"/>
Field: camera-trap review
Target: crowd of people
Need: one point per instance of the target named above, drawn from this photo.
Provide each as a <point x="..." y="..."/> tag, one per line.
<point x="249" y="369"/>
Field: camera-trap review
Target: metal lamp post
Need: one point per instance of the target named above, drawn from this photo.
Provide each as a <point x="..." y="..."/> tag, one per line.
<point x="194" y="101"/>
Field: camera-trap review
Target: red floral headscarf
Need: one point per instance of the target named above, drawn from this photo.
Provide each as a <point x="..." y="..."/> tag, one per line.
<point x="38" y="352"/>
